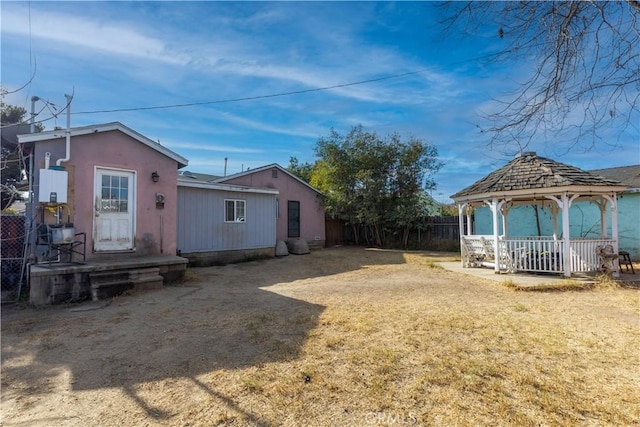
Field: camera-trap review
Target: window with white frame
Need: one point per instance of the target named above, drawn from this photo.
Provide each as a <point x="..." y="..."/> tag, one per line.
<point x="234" y="210"/>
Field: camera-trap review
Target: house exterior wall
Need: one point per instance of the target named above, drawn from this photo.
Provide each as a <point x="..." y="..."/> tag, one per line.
<point x="312" y="227"/>
<point x="202" y="226"/>
<point x="155" y="229"/>
<point x="629" y="224"/>
<point x="584" y="220"/>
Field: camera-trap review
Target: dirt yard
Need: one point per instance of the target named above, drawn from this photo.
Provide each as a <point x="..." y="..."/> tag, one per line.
<point x="339" y="337"/>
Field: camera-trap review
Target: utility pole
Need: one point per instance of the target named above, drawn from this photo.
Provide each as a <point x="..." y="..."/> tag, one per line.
<point x="32" y="126"/>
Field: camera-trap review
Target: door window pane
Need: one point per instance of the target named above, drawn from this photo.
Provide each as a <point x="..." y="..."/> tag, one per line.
<point x="114" y="194"/>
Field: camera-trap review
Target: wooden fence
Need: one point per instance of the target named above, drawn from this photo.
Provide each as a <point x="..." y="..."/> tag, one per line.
<point x="436" y="233"/>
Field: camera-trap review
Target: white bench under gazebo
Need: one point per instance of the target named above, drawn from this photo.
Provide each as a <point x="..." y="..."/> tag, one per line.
<point x="537" y="181"/>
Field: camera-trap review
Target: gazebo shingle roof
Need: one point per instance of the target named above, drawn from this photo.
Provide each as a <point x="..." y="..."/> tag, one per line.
<point x="528" y="171"/>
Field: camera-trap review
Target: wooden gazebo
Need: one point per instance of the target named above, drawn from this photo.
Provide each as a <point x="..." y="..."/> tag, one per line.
<point x="537" y="181"/>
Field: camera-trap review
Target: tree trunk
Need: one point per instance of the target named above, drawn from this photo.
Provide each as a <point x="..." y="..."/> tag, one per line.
<point x="378" y="240"/>
<point x="405" y="237"/>
<point x="355" y="234"/>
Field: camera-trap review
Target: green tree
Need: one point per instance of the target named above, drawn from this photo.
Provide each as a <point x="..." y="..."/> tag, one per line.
<point x="411" y="203"/>
<point x="11" y="114"/>
<point x="11" y="153"/>
<point x="584" y="76"/>
<point x="375" y="182"/>
<point x="302" y="171"/>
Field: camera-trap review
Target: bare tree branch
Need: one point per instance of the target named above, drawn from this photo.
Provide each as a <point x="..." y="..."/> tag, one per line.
<point x="585" y="79"/>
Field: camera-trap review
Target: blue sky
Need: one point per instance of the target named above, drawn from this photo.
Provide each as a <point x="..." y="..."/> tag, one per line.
<point x="127" y="55"/>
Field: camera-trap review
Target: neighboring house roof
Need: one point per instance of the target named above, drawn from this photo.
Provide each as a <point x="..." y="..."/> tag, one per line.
<point x="628" y="175"/>
<point x="87" y="130"/>
<point x="224" y="187"/>
<point x="529" y="172"/>
<point x="267" y="167"/>
<point x="189" y="176"/>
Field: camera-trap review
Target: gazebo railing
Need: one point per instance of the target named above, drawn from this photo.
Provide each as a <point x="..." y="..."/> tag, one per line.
<point x="539" y="254"/>
<point x="584" y="254"/>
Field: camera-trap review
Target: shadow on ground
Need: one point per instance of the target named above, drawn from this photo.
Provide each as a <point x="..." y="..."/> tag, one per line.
<point x="220" y="318"/>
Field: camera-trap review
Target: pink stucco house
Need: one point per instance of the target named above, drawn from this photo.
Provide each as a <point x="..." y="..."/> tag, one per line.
<point x="117" y="189"/>
<point x="299" y="207"/>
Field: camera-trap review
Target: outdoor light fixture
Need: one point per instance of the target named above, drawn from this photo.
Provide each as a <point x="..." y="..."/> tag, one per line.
<point x="155" y="177"/>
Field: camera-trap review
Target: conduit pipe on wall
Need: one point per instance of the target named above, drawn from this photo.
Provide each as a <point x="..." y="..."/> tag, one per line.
<point x="67" y="133"/>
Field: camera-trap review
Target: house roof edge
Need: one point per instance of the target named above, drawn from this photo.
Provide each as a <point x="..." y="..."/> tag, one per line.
<point x="265" y="167"/>
<point x="105" y="127"/>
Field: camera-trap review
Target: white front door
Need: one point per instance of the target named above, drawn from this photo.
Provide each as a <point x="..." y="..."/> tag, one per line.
<point x="114" y="210"/>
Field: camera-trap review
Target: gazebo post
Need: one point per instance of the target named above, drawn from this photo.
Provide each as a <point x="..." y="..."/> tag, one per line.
<point x="566" y="239"/>
<point x="554" y="212"/>
<point x="461" y="209"/>
<point x="461" y="218"/>
<point x="493" y="205"/>
<point x="505" y="212"/>
<point x="614" y="230"/>
<point x="614" y="222"/>
<point x="566" y="231"/>
<point x="602" y="206"/>
<point x="470" y="230"/>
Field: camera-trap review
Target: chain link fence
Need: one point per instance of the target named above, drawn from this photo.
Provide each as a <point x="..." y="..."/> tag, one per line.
<point x="12" y="259"/>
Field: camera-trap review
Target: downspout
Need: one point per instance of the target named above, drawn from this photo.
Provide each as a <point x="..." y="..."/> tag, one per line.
<point x="67" y="133"/>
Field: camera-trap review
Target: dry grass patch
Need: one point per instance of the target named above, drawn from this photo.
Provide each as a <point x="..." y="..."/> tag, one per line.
<point x="339" y="337"/>
<point x="555" y="286"/>
<point x="451" y="367"/>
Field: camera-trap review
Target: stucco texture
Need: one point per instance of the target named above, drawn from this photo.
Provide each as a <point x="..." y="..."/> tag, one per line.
<point x="312" y="227"/>
<point x="154" y="228"/>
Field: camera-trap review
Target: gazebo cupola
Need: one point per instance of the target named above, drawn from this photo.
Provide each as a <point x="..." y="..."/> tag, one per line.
<point x="537" y="181"/>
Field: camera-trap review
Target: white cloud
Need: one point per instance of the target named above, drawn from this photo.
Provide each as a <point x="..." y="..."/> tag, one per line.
<point x="213" y="147"/>
<point x="75" y="31"/>
<point x="227" y="51"/>
<point x="294" y="130"/>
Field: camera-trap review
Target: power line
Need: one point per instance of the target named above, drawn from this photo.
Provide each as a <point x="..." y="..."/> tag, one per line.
<point x="251" y="98"/>
<point x="275" y="95"/>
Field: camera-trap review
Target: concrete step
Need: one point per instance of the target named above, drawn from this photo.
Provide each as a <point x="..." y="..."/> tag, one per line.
<point x="148" y="282"/>
<point x="143" y="272"/>
<point x="105" y="289"/>
<point x="107" y="284"/>
<point x="108" y="276"/>
<point x="146" y="278"/>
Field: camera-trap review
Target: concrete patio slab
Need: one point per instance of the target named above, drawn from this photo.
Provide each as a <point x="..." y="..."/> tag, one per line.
<point x="529" y="280"/>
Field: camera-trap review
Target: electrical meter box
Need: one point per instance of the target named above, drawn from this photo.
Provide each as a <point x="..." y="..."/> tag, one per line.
<point x="53" y="186"/>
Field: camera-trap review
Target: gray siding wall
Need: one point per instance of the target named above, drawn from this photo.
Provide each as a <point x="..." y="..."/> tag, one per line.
<point x="201" y="226"/>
